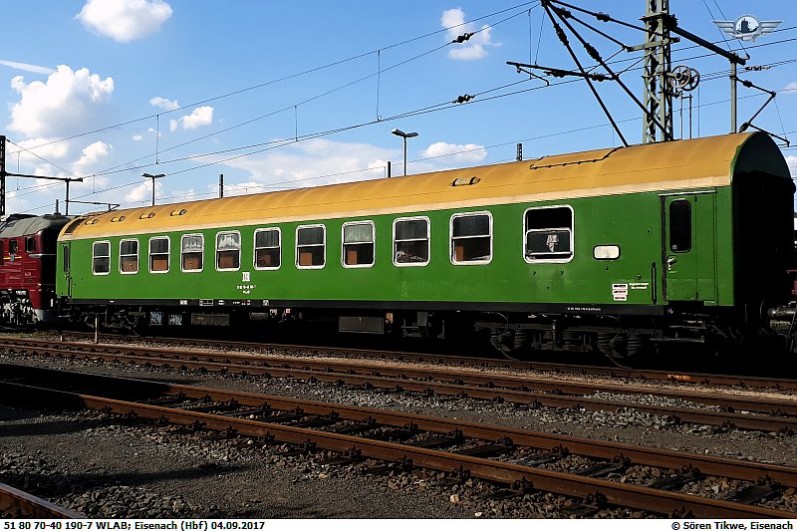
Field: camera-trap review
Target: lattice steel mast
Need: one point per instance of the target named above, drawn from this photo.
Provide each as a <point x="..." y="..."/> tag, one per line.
<point x="656" y="72"/>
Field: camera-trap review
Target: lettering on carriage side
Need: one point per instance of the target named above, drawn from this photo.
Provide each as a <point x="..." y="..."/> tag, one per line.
<point x="639" y="285"/>
<point x="584" y="309"/>
<point x="183" y="302"/>
<point x="246" y="276"/>
<point x="620" y="292"/>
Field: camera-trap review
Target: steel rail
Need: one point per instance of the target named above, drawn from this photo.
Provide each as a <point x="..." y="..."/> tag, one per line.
<point x="697" y="416"/>
<point x="21" y="504"/>
<point x="622" y="494"/>
<point x="730" y="380"/>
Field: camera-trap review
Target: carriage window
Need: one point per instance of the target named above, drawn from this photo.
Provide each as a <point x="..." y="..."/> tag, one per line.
<point x="30" y="245"/>
<point x="12" y="247"/>
<point x="101" y="258"/>
<point x="680" y="226"/>
<point x="192" y="247"/>
<point x="471" y="238"/>
<point x="311" y="246"/>
<point x="411" y="242"/>
<point x="228" y="250"/>
<point x="549" y="234"/>
<point x="159" y="255"/>
<point x="268" y="248"/>
<point x="128" y="257"/>
<point x="358" y="244"/>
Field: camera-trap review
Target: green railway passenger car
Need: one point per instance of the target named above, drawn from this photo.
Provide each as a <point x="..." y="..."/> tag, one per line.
<point x="610" y="250"/>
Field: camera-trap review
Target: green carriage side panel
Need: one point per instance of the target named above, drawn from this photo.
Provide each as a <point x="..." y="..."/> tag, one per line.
<point x="617" y="196"/>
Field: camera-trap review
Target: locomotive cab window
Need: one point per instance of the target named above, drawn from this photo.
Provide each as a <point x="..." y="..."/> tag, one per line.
<point x="12" y="247"/>
<point x="311" y="246"/>
<point x="549" y="234"/>
<point x="268" y="248"/>
<point x="30" y="245"/>
<point x="228" y="251"/>
<point x="128" y="257"/>
<point x="192" y="247"/>
<point x="159" y="254"/>
<point x="411" y="242"/>
<point x="471" y="238"/>
<point x="101" y="258"/>
<point x="358" y="244"/>
<point x="680" y="226"/>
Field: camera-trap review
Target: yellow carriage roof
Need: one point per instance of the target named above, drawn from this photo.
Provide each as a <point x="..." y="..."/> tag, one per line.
<point x="686" y="164"/>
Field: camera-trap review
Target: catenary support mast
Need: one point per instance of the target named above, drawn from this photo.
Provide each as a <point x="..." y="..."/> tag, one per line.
<point x="657" y="66"/>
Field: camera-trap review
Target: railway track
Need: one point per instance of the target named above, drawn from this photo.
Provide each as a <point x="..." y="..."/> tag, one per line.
<point x="18" y="504"/>
<point x="651" y="375"/>
<point x="520" y="460"/>
<point x="743" y="412"/>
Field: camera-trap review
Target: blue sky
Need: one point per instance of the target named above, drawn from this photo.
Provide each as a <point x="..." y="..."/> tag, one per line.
<point x="291" y="94"/>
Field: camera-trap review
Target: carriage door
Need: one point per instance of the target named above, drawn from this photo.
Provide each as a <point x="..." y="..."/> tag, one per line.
<point x="67" y="267"/>
<point x="689" y="267"/>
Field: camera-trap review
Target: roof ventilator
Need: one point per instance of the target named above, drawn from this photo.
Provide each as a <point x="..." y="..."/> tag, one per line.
<point x="465" y="181"/>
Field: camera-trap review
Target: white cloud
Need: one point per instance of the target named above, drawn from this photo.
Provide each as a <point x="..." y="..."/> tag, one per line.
<point x="28" y="67"/>
<point x="137" y="138"/>
<point x="164" y="103"/>
<point x="313" y="163"/>
<point x="474" y="48"/>
<point x="791" y="86"/>
<point x="456" y="153"/>
<point x="65" y="104"/>
<point x="791" y="160"/>
<point x="36" y="151"/>
<point x="201" y="116"/>
<point x="124" y="20"/>
<point x="142" y="192"/>
<point x="92" y="154"/>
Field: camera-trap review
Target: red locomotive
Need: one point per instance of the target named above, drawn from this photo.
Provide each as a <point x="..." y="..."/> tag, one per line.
<point x="27" y="268"/>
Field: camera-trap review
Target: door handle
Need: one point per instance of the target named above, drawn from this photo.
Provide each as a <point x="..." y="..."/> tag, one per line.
<point x="671" y="261"/>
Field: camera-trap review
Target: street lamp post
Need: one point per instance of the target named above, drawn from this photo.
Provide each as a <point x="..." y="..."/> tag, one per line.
<point x="405" y="136"/>
<point x="153" y="177"/>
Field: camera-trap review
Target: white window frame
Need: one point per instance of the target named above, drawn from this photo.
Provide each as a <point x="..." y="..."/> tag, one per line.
<point x="255" y="248"/>
<point x="202" y="237"/>
<point x="137" y="255"/>
<point x="94" y="256"/>
<point x="428" y="240"/>
<point x="168" y="254"/>
<point x="451" y="237"/>
<point x="343" y="244"/>
<point x="572" y="237"/>
<point x="216" y="247"/>
<point x="323" y="244"/>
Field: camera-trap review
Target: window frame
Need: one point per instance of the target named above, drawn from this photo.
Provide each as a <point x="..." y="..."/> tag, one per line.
<point x="15" y="244"/>
<point x="168" y="254"/>
<point x="255" y="248"/>
<point x="137" y="255"/>
<point x="343" y="244"/>
<point x="94" y="257"/>
<point x="428" y="240"/>
<point x="324" y="245"/>
<point x="216" y="247"/>
<point x="202" y="253"/>
<point x="572" y="236"/>
<point x="451" y="237"/>
<point x="30" y="245"/>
